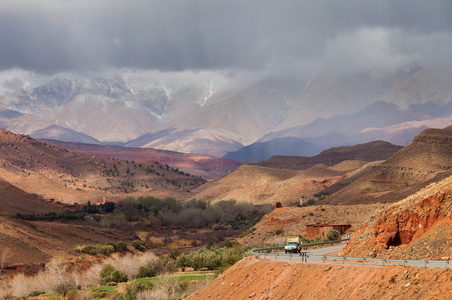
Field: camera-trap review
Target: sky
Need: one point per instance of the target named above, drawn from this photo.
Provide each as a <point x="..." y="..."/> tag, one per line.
<point x="332" y="37"/>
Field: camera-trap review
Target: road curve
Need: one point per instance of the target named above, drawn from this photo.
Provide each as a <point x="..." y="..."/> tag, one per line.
<point x="326" y="250"/>
<point x="329" y="255"/>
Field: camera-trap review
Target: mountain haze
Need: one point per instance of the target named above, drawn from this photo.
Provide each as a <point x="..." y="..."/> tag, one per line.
<point x="213" y="116"/>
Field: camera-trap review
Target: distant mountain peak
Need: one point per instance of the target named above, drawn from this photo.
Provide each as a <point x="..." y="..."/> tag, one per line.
<point x="203" y="109"/>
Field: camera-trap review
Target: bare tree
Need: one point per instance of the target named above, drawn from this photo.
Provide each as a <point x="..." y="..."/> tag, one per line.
<point x="77" y="278"/>
<point x="57" y="269"/>
<point x="19" y="285"/>
<point x="130" y="263"/>
<point x="4" y="254"/>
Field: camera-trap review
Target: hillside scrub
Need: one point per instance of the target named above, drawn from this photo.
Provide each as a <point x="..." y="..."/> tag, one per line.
<point x="333" y="235"/>
<point x="71" y="278"/>
<point x="214" y="257"/>
<point x="53" y="216"/>
<point x="61" y="276"/>
<point x="66" y="278"/>
<point x="109" y="274"/>
<point x="110" y="248"/>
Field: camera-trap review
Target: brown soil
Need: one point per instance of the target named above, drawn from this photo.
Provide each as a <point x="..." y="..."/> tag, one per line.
<point x="14" y="200"/>
<point x="37" y="242"/>
<point x="252" y="278"/>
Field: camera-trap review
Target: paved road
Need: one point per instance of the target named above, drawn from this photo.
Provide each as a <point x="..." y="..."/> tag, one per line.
<point x="329" y="255"/>
<point x="326" y="250"/>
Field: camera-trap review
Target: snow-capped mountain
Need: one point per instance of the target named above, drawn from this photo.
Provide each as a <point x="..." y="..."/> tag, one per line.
<point x="107" y="107"/>
<point x="207" y="114"/>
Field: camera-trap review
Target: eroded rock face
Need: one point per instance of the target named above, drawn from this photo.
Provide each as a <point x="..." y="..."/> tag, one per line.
<point x="404" y="226"/>
<point x="400" y="227"/>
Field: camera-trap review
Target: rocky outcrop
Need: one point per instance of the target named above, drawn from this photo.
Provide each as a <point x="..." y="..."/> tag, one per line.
<point x="399" y="228"/>
<point x="410" y="229"/>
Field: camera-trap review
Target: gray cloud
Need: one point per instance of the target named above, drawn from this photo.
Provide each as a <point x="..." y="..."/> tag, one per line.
<point x="175" y="35"/>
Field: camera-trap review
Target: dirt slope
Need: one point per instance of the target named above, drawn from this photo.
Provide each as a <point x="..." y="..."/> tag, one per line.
<point x="37" y="242"/>
<point x="14" y="200"/>
<point x="427" y="159"/>
<point x="53" y="172"/>
<point x="269" y="185"/>
<point x="251" y="278"/>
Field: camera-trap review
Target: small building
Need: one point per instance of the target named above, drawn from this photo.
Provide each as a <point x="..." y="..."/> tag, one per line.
<point x="321" y="230"/>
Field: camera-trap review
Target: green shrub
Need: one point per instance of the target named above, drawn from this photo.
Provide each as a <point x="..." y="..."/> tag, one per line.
<point x="333" y="235"/>
<point x="212" y="260"/>
<point x="110" y="274"/>
<point x="106" y="249"/>
<point x="144" y="272"/>
<point x="94" y="250"/>
<point x="229" y="244"/>
<point x="209" y="244"/>
<point x="112" y="244"/>
<point x="99" y="294"/>
<point x="248" y="231"/>
<point x="121" y="246"/>
<point x="166" y="265"/>
<point x="174" y="254"/>
<point x="138" y="244"/>
<point x="278" y="231"/>
<point x="182" y="262"/>
<point x="35" y="293"/>
<point x="88" y="249"/>
<point x="196" y="260"/>
<point x="132" y="289"/>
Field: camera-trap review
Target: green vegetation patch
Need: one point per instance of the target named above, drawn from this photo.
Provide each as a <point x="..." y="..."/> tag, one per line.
<point x="188" y="277"/>
<point x="108" y="288"/>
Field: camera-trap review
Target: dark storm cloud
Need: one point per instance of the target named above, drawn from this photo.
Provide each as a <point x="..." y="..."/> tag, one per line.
<point x="55" y="35"/>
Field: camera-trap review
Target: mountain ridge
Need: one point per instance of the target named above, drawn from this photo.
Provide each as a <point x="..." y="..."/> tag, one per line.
<point x="206" y="116"/>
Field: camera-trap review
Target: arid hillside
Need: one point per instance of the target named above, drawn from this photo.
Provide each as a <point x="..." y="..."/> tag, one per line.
<point x="427" y="159"/>
<point x="417" y="227"/>
<point x="288" y="179"/>
<point x="252" y="278"/>
<point x="373" y="151"/>
<point x="261" y="185"/>
<point x="207" y="167"/>
<point x="291" y="221"/>
<point x="37" y="242"/>
<point x="55" y="173"/>
<point x="14" y="200"/>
